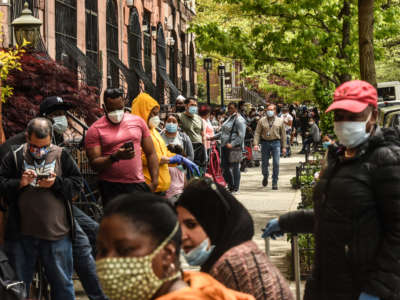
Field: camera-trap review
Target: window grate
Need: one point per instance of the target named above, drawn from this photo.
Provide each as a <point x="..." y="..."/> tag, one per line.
<point x="66" y="23"/>
<point x="148" y="68"/>
<point x="112" y="43"/>
<point x="92" y="39"/>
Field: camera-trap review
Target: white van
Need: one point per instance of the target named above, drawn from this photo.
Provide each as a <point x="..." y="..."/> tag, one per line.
<point x="389" y="91"/>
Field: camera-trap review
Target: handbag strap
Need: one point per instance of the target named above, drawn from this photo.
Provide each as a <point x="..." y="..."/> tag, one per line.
<point x="233" y="128"/>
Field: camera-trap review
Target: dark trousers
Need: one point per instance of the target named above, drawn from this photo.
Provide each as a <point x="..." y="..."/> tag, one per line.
<point x="230" y="171"/>
<point x="109" y="190"/>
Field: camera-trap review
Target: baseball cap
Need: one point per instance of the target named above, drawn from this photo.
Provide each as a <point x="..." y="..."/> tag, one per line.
<point x="53" y="103"/>
<point x="354" y="96"/>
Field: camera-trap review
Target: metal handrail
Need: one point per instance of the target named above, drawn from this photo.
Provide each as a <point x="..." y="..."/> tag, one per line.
<point x="296" y="253"/>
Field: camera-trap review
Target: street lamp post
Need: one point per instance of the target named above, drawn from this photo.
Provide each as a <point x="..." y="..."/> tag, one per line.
<point x="27" y="27"/>
<point x="208" y="66"/>
<point x="221" y="73"/>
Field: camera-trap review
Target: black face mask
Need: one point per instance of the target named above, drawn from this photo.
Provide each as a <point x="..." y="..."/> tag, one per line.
<point x="180" y="109"/>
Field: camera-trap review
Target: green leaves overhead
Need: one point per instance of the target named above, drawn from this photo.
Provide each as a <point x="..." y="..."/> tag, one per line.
<point x="315" y="35"/>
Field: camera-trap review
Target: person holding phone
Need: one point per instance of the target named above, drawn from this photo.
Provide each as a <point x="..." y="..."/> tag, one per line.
<point x="39" y="181"/>
<point x="114" y="146"/>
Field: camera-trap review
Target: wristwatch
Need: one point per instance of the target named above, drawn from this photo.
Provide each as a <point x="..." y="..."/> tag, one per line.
<point x="113" y="158"/>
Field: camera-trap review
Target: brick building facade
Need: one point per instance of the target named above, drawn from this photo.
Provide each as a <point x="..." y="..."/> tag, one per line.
<point x="137" y="45"/>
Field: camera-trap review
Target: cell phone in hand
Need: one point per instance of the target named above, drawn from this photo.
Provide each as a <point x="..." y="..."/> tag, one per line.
<point x="43" y="176"/>
<point x="128" y="145"/>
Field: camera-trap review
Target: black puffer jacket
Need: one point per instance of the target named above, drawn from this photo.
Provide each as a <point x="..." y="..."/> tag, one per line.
<point x="356" y="221"/>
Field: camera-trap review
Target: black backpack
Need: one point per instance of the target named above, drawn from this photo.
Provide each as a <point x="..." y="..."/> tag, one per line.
<point x="10" y="287"/>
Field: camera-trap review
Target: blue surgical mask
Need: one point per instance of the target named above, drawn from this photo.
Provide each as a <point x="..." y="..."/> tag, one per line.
<point x="270" y="113"/>
<point x="192" y="110"/>
<point x="199" y="255"/>
<point x="325" y="145"/>
<point x="171" y="127"/>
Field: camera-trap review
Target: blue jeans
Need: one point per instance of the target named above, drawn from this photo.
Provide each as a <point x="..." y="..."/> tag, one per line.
<point x="230" y="171"/>
<point x="84" y="263"/>
<point x="56" y="258"/>
<point x="268" y="149"/>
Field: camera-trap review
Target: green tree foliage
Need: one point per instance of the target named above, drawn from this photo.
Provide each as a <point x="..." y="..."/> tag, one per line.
<point x="314" y="35"/>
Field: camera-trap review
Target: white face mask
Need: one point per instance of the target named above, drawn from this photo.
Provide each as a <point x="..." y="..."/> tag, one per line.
<point x="270" y="113"/>
<point x="154" y="122"/>
<point x="116" y="116"/>
<point x="352" y="134"/>
<point x="60" y="124"/>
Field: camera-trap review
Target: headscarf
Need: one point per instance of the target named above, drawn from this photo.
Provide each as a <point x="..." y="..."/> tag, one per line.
<point x="224" y="219"/>
<point x="143" y="105"/>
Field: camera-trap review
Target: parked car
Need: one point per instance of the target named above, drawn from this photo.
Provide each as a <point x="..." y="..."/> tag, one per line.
<point x="389" y="116"/>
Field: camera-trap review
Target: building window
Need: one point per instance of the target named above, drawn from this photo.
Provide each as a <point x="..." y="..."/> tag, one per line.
<point x="112" y="43"/>
<point x="183" y="64"/>
<point x="192" y="68"/>
<point x="92" y="40"/>
<point x="135" y="55"/>
<point x="65" y="30"/>
<point x="147" y="44"/>
<point x="18" y="5"/>
<point x="173" y="52"/>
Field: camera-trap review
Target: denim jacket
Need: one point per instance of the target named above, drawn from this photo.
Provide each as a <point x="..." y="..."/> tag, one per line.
<point x="238" y="134"/>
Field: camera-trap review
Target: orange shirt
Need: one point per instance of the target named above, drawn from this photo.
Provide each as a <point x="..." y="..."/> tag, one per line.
<point x="203" y="287"/>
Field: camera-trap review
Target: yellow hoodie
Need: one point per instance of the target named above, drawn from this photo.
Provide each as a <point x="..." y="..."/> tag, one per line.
<point x="142" y="106"/>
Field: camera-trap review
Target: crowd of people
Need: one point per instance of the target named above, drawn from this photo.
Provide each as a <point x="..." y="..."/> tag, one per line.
<point x="160" y="200"/>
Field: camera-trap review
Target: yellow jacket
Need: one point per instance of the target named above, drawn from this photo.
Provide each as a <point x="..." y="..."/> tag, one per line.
<point x="142" y="106"/>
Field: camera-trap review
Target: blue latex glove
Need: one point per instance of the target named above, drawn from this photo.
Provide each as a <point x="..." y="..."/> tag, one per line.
<point x="177" y="159"/>
<point x="191" y="166"/>
<point x="272" y="230"/>
<point x="365" y="296"/>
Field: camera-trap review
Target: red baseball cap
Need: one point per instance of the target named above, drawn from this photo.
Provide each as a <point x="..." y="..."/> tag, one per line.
<point x="354" y="96"/>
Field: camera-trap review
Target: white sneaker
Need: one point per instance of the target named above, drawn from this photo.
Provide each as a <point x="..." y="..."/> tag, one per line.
<point x="236" y="193"/>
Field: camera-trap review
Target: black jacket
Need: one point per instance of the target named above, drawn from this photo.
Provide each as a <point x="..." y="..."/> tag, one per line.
<point x="65" y="187"/>
<point x="356" y="222"/>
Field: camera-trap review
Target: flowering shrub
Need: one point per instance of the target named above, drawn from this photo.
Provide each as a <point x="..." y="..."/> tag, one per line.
<point x="39" y="77"/>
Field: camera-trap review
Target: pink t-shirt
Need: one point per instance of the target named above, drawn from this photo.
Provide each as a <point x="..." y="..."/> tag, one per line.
<point x="111" y="137"/>
<point x="177" y="182"/>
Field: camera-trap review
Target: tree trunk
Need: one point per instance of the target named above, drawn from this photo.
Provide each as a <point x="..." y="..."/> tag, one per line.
<point x="345" y="13"/>
<point x="365" y="40"/>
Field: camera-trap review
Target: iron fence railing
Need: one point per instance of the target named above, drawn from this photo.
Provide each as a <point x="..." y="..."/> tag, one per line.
<point x="243" y="93"/>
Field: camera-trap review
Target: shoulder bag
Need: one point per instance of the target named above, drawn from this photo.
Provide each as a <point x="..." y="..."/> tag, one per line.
<point x="236" y="153"/>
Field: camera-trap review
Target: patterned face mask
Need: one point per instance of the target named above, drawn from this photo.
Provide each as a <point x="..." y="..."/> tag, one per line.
<point x="38" y="153"/>
<point x="132" y="278"/>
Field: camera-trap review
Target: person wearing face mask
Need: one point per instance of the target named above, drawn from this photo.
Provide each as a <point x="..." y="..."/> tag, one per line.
<point x="232" y="135"/>
<point x="314" y="136"/>
<point x="356" y="205"/>
<point x="180" y="104"/>
<point x="172" y="135"/>
<point x="271" y="133"/>
<point x="54" y="109"/>
<point x="192" y="124"/>
<point x="115" y="144"/>
<point x="39" y="181"/>
<point x="217" y="233"/>
<point x="145" y="107"/>
<point x="139" y="248"/>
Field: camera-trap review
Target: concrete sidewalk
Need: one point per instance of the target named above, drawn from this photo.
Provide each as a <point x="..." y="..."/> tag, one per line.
<point x="265" y="204"/>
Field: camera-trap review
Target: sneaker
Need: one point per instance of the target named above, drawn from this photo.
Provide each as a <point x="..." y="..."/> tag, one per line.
<point x="274" y="186"/>
<point x="265" y="181"/>
<point x="235" y="193"/>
